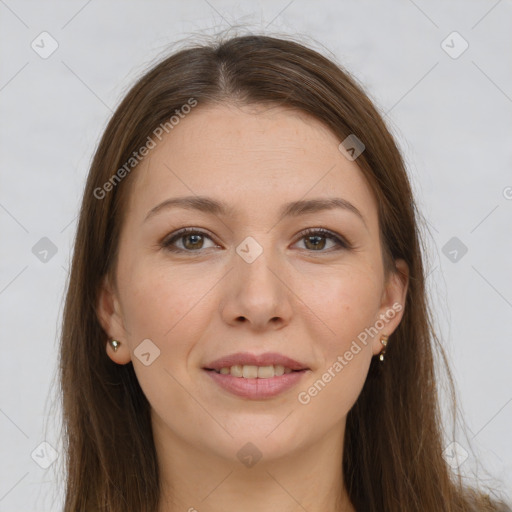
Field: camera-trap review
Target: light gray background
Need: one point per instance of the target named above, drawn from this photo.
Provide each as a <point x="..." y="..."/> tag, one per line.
<point x="451" y="116"/>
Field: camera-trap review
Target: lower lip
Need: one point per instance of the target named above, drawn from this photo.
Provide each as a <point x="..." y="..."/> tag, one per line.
<point x="256" y="389"/>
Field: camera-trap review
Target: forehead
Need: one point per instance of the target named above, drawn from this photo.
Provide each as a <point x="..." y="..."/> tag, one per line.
<point x="253" y="158"/>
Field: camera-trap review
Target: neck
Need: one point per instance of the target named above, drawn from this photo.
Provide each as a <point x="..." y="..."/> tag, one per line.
<point x="195" y="481"/>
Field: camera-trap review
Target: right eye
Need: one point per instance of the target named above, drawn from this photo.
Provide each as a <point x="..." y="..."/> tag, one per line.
<point x="192" y="240"/>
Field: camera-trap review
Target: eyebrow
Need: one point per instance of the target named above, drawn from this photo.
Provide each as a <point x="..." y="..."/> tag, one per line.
<point x="294" y="209"/>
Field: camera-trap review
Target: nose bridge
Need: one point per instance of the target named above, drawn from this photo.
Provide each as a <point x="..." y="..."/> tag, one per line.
<point x="256" y="263"/>
<point x="256" y="292"/>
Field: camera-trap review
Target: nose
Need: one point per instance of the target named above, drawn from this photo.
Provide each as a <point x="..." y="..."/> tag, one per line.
<point x="257" y="294"/>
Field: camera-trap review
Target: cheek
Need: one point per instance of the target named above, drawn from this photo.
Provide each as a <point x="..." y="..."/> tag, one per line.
<point x="167" y="306"/>
<point x="159" y="301"/>
<point x="332" y="392"/>
<point x="347" y="304"/>
<point x="346" y="300"/>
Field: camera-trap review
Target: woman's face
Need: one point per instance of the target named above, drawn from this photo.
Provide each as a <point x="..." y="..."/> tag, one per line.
<point x="248" y="281"/>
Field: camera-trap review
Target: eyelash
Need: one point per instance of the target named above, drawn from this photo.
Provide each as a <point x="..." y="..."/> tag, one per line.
<point x="341" y="243"/>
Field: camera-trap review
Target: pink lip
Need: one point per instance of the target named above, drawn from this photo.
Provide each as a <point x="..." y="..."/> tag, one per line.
<point x="266" y="359"/>
<point x="256" y="389"/>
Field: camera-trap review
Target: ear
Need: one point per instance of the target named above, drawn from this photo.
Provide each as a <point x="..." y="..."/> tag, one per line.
<point x="393" y="302"/>
<point x="110" y="317"/>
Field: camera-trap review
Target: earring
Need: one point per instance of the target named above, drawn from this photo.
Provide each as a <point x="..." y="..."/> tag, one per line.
<point x="115" y="344"/>
<point x="384" y="341"/>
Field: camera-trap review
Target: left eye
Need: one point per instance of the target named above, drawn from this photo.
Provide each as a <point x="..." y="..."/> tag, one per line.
<point x="315" y="236"/>
<point x="193" y="239"/>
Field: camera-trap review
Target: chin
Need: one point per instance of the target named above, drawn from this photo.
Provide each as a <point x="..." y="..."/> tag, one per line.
<point x="258" y="441"/>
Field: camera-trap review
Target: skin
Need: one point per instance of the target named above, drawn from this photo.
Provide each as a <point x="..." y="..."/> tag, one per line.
<point x="307" y="303"/>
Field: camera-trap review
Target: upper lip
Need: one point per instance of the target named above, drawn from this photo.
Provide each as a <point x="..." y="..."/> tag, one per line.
<point x="266" y="359"/>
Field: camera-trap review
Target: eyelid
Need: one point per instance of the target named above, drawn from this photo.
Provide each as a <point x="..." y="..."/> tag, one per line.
<point x="176" y="235"/>
<point x="340" y="241"/>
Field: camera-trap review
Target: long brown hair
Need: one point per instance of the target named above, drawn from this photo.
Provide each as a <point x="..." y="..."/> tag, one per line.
<point x="394" y="441"/>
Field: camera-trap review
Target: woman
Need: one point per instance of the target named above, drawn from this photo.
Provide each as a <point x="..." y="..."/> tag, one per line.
<point x="246" y="325"/>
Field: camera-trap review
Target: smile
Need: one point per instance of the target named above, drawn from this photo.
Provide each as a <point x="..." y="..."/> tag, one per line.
<point x="249" y="371"/>
<point x="247" y="383"/>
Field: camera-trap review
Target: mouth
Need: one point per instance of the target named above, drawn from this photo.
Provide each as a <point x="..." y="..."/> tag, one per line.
<point x="251" y="366"/>
<point x="255" y="388"/>
<point x="256" y="377"/>
<point x="249" y="371"/>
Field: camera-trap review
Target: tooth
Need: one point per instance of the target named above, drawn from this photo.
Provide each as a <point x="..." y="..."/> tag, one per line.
<point x="278" y="370"/>
<point x="265" y="372"/>
<point x="249" y="371"/>
<point x="236" y="370"/>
